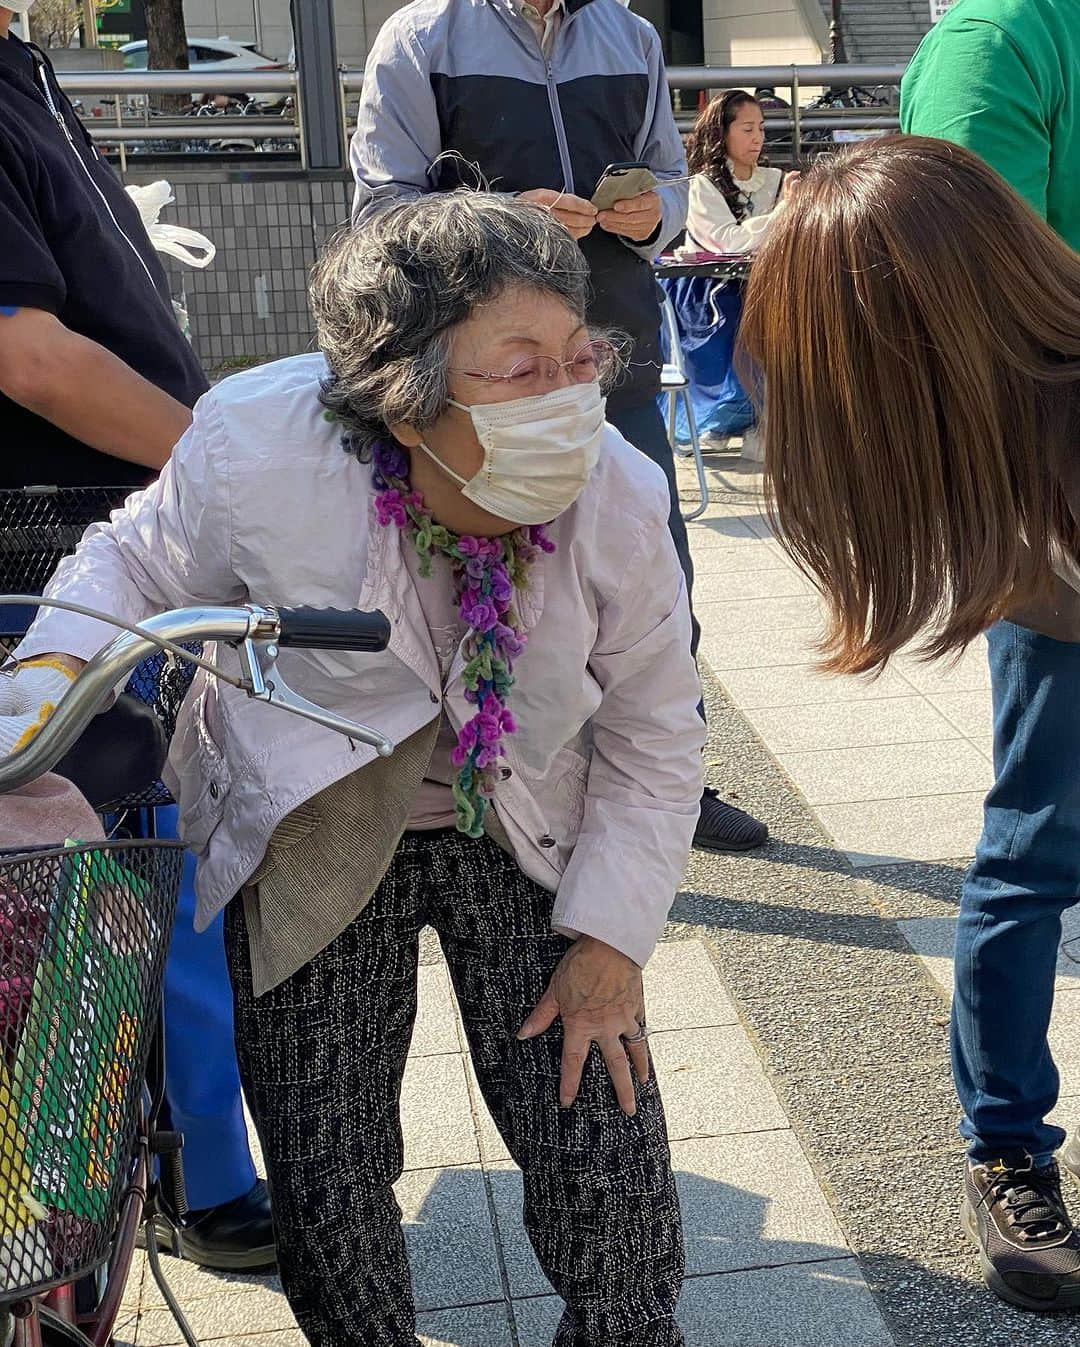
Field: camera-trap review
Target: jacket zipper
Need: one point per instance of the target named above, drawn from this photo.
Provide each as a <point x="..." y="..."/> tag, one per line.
<point x="560" y="127"/>
<point x="59" y="119"/>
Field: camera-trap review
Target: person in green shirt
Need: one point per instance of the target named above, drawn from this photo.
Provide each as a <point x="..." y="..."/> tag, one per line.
<point x="1002" y="78"/>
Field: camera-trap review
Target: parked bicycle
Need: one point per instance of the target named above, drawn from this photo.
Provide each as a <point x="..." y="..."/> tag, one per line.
<point x="84" y="930"/>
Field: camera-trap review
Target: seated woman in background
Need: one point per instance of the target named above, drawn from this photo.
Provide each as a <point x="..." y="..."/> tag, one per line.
<point x="733" y="199"/>
<point x="732" y="194"/>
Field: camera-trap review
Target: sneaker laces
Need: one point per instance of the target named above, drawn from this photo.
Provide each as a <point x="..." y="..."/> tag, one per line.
<point x="1030" y="1199"/>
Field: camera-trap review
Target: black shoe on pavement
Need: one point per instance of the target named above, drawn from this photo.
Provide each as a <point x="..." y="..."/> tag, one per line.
<point x="237" y="1236"/>
<point x="1029" y="1251"/>
<point x="722" y="827"/>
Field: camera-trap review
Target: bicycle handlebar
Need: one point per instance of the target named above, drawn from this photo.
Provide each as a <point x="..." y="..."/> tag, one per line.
<point x="332" y="629"/>
<point x="247" y="627"/>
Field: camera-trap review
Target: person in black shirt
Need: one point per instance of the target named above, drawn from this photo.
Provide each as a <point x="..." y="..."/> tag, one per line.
<point x="96" y="381"/>
<point x="97" y="384"/>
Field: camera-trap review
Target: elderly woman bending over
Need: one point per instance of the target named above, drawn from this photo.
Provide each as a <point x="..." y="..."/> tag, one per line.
<point x="445" y="459"/>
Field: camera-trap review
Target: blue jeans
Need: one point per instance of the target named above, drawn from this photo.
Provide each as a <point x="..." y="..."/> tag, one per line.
<point x="1026" y="873"/>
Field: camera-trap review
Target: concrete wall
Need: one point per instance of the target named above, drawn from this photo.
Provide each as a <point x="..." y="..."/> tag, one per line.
<point x="250" y="304"/>
<point x="764" y="32"/>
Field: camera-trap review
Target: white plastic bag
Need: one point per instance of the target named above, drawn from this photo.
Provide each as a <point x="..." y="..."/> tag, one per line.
<point x="174" y="240"/>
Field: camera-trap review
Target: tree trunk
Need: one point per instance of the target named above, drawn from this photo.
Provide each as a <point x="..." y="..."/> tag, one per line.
<point x="166" y="47"/>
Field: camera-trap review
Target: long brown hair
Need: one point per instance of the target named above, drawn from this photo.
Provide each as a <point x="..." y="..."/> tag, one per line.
<point x="918" y="330"/>
<point x="706" y="147"/>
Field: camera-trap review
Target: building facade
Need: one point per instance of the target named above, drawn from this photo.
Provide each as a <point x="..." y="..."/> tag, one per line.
<point x="718" y="32"/>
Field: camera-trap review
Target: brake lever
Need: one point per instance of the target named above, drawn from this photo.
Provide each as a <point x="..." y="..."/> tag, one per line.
<point x="263" y="683"/>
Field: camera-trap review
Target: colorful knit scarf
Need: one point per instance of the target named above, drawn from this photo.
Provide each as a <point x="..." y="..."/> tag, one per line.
<point x="486" y="572"/>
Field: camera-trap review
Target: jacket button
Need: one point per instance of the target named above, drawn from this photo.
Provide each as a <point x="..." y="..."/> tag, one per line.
<point x="547" y="841"/>
<point x="505" y="774"/>
<point x="434" y="699"/>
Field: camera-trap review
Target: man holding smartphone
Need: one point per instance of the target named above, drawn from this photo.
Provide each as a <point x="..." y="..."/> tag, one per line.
<point x="539" y="99"/>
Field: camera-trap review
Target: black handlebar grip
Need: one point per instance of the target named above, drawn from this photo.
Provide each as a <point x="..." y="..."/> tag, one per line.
<point x="333" y="629"/>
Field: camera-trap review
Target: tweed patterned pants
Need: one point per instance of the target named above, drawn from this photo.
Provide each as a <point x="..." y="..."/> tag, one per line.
<point x="322" y="1056"/>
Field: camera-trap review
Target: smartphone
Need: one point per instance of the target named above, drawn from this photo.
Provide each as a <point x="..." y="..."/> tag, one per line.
<point x="620" y="181"/>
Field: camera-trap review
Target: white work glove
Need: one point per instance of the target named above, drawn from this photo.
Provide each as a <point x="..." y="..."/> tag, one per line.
<point x="29" y="694"/>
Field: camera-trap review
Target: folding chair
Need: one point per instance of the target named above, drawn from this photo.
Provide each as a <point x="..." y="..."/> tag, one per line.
<point x="675" y="382"/>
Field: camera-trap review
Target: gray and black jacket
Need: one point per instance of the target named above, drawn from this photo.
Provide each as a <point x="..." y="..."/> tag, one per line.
<point x="468" y="75"/>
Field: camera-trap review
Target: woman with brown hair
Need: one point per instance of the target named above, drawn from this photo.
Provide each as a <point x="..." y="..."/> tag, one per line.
<point x="733" y="199"/>
<point x="918" y="329"/>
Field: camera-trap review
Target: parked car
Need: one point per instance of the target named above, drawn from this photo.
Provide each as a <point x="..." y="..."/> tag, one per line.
<point x="217" y="53"/>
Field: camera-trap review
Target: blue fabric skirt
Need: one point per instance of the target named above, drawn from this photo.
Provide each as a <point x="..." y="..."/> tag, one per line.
<point x="707" y="313"/>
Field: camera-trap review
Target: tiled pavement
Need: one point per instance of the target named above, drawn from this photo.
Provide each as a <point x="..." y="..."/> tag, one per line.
<point x="894" y="771"/>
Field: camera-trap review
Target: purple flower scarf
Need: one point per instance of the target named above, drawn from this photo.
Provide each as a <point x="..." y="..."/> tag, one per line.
<point x="487" y="572"/>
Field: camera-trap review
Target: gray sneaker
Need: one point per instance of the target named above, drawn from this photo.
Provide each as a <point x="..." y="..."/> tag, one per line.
<point x="1029" y="1251"/>
<point x="1070" y="1156"/>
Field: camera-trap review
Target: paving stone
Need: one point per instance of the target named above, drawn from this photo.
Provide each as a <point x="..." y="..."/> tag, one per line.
<point x="717" y="567"/>
<point x="449" y="1236"/>
<point x="492" y="1147"/>
<point x="743" y="586"/>
<point x="536" y="1320"/>
<point x="970" y="711"/>
<point x="933" y="938"/>
<point x="229" y="1315"/>
<point x="289" y="1337"/>
<point x="752" y="1201"/>
<point x="727" y="648"/>
<point x="803" y="685"/>
<point x="891" y="720"/>
<point x="476" y="1326"/>
<point x="816" y="1305"/>
<point x="718" y="528"/>
<point x="713" y="1084"/>
<point x="729" y="555"/>
<point x="190" y="1283"/>
<point x="436" y="1028"/>
<point x="801" y="609"/>
<point x="436" y="1113"/>
<point x="812" y="1305"/>
<point x="683" y="990"/>
<point x="886" y="772"/>
<point x="875" y="833"/>
<point x="523" y="1273"/>
<point x="970" y="673"/>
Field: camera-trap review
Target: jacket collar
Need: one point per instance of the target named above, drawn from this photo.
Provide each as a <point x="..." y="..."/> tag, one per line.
<point x="512" y="6"/>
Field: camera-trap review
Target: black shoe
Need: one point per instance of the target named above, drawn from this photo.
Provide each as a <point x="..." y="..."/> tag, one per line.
<point x="237" y="1236"/>
<point x="1029" y="1251"/>
<point x="722" y="827"/>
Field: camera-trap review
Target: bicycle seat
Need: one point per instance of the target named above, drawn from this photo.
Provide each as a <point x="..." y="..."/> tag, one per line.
<point x="120" y="753"/>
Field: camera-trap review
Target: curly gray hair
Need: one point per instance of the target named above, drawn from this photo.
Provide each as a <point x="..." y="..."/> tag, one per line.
<point x="388" y="295"/>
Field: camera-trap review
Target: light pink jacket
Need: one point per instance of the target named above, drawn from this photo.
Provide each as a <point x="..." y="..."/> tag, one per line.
<point x="260" y="502"/>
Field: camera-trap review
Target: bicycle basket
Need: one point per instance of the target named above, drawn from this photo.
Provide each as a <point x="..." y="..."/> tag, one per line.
<point x="40" y="525"/>
<point x="84" y="932"/>
<point x="162" y="682"/>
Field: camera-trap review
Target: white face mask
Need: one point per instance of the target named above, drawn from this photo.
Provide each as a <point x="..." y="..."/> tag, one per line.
<point x="538" y="452"/>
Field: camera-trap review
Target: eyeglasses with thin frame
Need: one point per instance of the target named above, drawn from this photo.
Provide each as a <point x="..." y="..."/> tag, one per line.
<point x="597" y="359"/>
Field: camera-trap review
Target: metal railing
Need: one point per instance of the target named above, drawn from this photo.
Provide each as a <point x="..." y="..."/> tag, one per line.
<point x="133" y="123"/>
